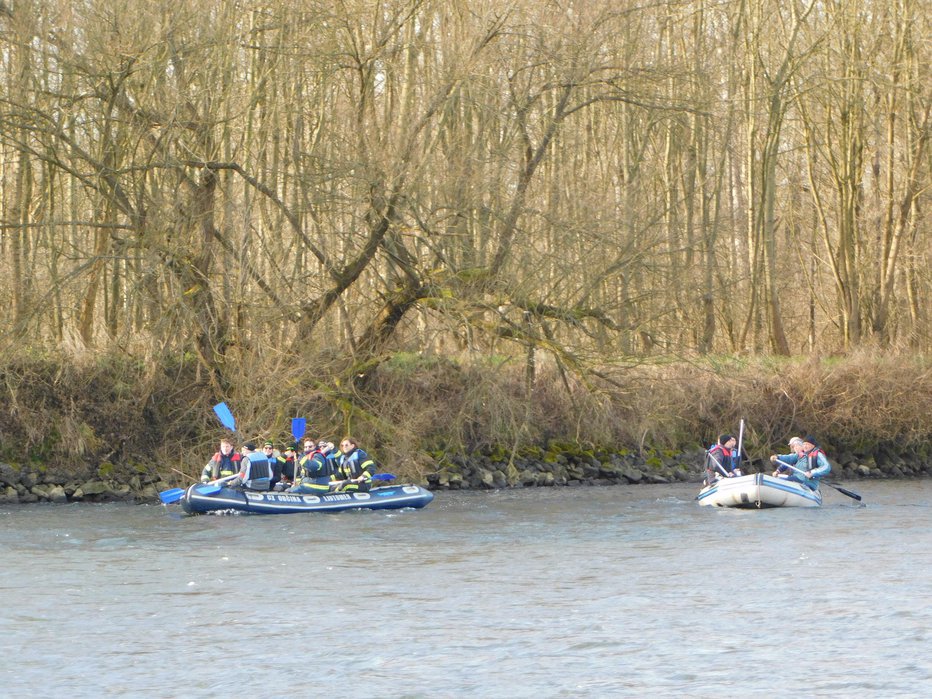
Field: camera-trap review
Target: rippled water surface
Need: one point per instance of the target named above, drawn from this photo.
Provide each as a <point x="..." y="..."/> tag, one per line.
<point x="565" y="592"/>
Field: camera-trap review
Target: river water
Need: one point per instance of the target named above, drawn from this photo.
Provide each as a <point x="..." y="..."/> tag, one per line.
<point x="561" y="592"/>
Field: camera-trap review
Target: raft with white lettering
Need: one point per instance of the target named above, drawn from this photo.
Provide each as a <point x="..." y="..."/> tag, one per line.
<point x="391" y="497"/>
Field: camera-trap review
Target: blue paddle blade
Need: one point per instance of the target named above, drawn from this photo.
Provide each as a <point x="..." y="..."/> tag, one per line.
<point x="298" y="426"/>
<point x="171" y="495"/>
<point x="383" y="477"/>
<point x="225" y="416"/>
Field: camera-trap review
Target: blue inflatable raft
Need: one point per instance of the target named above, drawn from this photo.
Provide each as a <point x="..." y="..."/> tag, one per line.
<point x="200" y="499"/>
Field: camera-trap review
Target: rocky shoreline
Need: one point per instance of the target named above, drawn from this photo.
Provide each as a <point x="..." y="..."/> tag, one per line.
<point x="26" y="486"/>
<point x="477" y="472"/>
<point x="616" y="469"/>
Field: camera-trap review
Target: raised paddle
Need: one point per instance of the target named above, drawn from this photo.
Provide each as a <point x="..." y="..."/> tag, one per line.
<point x="841" y="490"/>
<point x="225" y="416"/>
<point x="740" y="440"/>
<point x="298" y="428"/>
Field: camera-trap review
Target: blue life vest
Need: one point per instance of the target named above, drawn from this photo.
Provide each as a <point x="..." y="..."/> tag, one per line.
<point x="257" y="472"/>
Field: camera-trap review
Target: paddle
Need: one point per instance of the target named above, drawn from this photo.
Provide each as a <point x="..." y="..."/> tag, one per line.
<point x="298" y="428"/>
<point x="175" y="494"/>
<point x="720" y="467"/>
<point x="214" y="486"/>
<point x="226" y="418"/>
<point x="171" y="495"/>
<point x="740" y="439"/>
<point x="841" y="490"/>
<point x="375" y="477"/>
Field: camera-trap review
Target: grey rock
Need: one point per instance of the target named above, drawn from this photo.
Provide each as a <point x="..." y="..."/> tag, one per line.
<point x="93" y="488"/>
<point x="57" y="494"/>
<point x="8" y="475"/>
<point x="40" y="492"/>
<point x="9" y="496"/>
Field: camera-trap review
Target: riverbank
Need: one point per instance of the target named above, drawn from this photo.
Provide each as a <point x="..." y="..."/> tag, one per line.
<point x="562" y="469"/>
<point x="112" y="429"/>
<point x="569" y="469"/>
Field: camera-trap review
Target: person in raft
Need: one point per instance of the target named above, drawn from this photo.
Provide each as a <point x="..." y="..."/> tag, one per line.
<point x="276" y="462"/>
<point x="722" y="460"/>
<point x="255" y="470"/>
<point x="796" y="450"/>
<point x="286" y="468"/>
<point x="807" y="468"/>
<point x="222" y="464"/>
<point x="315" y="469"/>
<point x="354" y="468"/>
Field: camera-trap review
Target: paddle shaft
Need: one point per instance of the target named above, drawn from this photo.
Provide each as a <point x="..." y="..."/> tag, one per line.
<point x="740" y="438"/>
<point x="298" y="428"/>
<point x="841" y="490"/>
<point x="720" y="467"/>
<point x="173" y="495"/>
<point x="375" y="477"/>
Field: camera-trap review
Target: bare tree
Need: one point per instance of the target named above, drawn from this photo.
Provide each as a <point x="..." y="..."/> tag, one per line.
<point x="283" y="181"/>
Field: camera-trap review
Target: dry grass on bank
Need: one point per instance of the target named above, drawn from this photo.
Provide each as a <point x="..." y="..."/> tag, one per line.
<point x="410" y="408"/>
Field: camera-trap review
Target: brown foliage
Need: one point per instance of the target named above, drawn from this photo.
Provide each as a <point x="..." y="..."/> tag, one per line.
<point x="411" y="409"/>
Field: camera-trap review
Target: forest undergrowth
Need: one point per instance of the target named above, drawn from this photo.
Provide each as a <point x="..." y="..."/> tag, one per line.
<point x="411" y="411"/>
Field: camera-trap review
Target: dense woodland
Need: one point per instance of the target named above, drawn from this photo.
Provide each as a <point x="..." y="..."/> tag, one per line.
<point x="294" y="192"/>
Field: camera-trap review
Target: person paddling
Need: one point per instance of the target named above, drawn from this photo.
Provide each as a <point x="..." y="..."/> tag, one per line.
<point x="255" y="470"/>
<point x="722" y="460"/>
<point x="808" y="465"/>
<point x="796" y="444"/>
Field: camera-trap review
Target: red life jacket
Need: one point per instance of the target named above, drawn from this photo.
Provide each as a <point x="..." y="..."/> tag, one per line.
<point x="812" y="456"/>
<point x="234" y="458"/>
<point x="725" y="450"/>
<point x="725" y="458"/>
